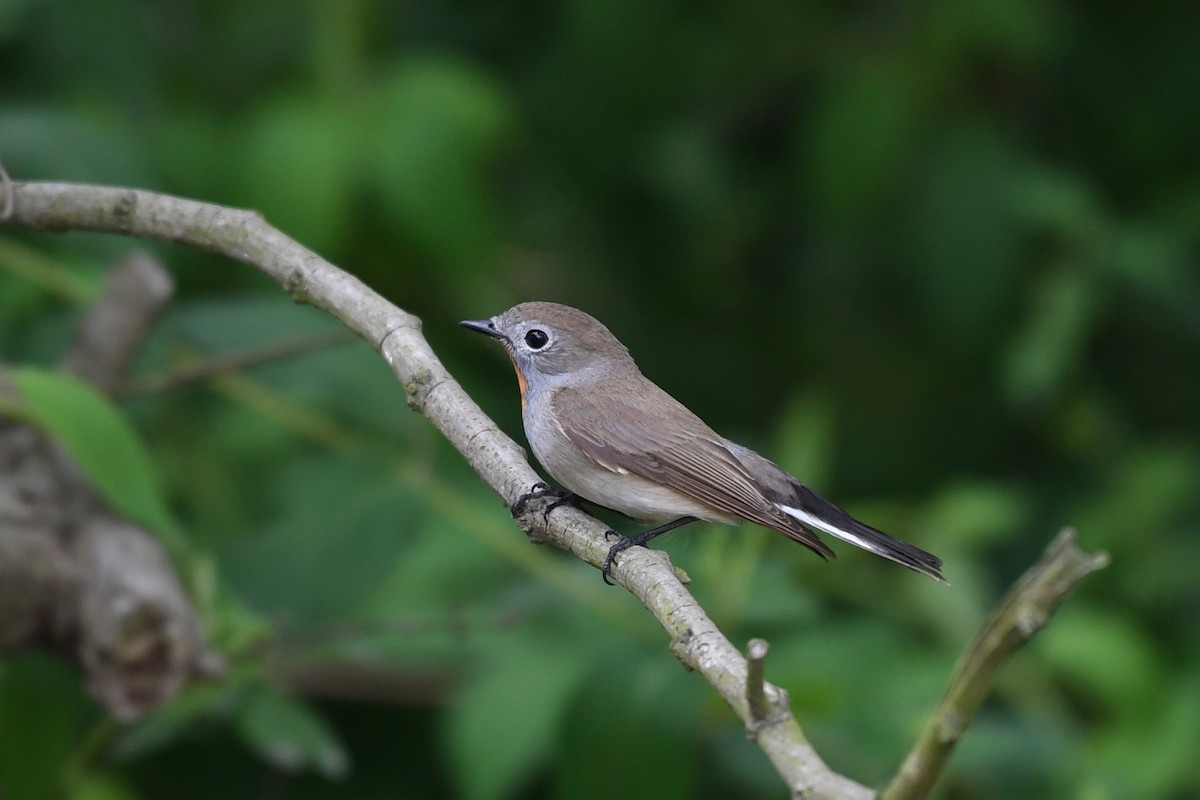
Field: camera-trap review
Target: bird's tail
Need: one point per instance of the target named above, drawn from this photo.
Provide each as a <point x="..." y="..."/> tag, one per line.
<point x="813" y="511"/>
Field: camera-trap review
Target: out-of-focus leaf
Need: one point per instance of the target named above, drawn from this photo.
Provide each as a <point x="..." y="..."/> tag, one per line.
<point x="833" y="676"/>
<point x="971" y="514"/>
<point x="347" y="381"/>
<point x="339" y="537"/>
<point x="101" y="787"/>
<point x="417" y="582"/>
<point x="863" y="132"/>
<point x="956" y="611"/>
<point x="166" y="725"/>
<point x="1152" y="753"/>
<point x="1061" y="203"/>
<point x="12" y="14"/>
<point x="1104" y="654"/>
<point x="1049" y="348"/>
<point x="437" y="124"/>
<point x="686" y="165"/>
<point x="301" y="166"/>
<point x="48" y="143"/>
<point x="805" y="438"/>
<point x="631" y="726"/>
<point x="41" y="707"/>
<point x="506" y="722"/>
<point x="289" y="734"/>
<point x="967" y="233"/>
<point x="1011" y="756"/>
<point x="1151" y="261"/>
<point x="778" y="600"/>
<point x="103" y="443"/>
<point x="1014" y="30"/>
<point x="735" y="756"/>
<point x="1144" y="499"/>
<point x="36" y="274"/>
<point x="1159" y="265"/>
<point x="238" y="322"/>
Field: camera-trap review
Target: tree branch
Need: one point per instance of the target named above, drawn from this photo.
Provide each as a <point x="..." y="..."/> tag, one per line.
<point x="73" y="574"/>
<point x="1021" y="614"/>
<point x="107" y="341"/>
<point x="231" y="363"/>
<point x="244" y="236"/>
<point x="500" y="462"/>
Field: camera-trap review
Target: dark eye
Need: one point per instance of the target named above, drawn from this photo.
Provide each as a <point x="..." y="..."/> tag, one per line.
<point x="536" y="339"/>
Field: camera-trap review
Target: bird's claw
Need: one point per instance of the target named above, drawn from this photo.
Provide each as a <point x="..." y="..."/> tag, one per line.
<point x="623" y="543"/>
<point x="539" y="491"/>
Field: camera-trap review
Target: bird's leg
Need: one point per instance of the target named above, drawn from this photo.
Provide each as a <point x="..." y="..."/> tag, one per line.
<point x="626" y="542"/>
<point x="541" y="490"/>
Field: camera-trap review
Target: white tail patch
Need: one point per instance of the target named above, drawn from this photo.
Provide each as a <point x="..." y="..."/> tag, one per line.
<point x="820" y="524"/>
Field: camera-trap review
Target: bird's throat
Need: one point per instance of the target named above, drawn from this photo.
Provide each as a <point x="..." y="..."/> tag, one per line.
<point x="520" y="380"/>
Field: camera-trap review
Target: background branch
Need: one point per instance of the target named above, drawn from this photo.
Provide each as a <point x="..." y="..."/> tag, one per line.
<point x="73" y="574"/>
<point x="1021" y="614"/>
<point x="233" y="362"/>
<point x="109" y="338"/>
<point x="500" y="462"/>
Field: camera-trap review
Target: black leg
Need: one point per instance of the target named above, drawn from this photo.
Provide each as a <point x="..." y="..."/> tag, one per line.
<point x="626" y="542"/>
<point x="540" y="490"/>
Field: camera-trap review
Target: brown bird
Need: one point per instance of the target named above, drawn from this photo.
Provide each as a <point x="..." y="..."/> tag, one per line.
<point x="611" y="436"/>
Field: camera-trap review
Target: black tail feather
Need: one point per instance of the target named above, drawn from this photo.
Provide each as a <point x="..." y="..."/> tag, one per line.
<point x="811" y="510"/>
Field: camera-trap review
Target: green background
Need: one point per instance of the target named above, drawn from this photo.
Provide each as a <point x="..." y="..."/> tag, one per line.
<point x="937" y="259"/>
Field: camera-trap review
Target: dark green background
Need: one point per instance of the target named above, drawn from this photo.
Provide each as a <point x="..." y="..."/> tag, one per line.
<point x="938" y="259"/>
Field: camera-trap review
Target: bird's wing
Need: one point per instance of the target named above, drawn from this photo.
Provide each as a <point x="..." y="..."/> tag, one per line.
<point x="671" y="446"/>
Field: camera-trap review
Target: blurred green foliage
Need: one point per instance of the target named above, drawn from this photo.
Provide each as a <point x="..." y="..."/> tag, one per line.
<point x="939" y="259"/>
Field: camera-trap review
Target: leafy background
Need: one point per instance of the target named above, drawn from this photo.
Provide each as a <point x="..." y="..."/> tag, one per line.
<point x="939" y="259"/>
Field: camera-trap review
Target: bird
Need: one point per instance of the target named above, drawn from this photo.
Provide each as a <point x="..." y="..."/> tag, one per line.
<point x="614" y="438"/>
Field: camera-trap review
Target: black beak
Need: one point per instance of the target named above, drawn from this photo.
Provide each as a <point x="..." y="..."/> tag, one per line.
<point x="482" y="326"/>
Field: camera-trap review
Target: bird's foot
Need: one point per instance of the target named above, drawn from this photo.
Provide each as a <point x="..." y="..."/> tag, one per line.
<point x="623" y="543"/>
<point x="541" y="491"/>
<point x="626" y="542"/>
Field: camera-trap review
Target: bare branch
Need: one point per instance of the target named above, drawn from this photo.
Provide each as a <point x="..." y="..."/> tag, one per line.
<point x="234" y="362"/>
<point x="74" y="575"/>
<point x="1022" y="613"/>
<point x="500" y="462"/>
<point x="108" y="340"/>
<point x="756" y="697"/>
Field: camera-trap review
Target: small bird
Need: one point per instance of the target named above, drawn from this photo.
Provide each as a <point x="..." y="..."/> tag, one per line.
<point x="614" y="438"/>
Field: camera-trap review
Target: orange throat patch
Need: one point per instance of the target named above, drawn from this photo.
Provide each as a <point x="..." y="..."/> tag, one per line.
<point x="520" y="381"/>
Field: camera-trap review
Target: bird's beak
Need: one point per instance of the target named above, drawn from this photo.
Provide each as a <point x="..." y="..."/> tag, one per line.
<point x="482" y="326"/>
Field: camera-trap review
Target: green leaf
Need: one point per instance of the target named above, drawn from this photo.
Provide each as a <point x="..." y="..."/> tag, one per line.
<point x="101" y="787"/>
<point x="340" y="539"/>
<point x="301" y="167"/>
<point x="166" y="725"/>
<point x="1049" y="347"/>
<point x="440" y="122"/>
<point x="40" y="707"/>
<point x="102" y="442"/>
<point x="505" y="723"/>
<point x="1152" y="751"/>
<point x="290" y="735"/>
<point x="861" y="138"/>
<point x="637" y="701"/>
<point x="1104" y="654"/>
<point x="806" y="436"/>
<point x="966" y="512"/>
<point x="966" y="232"/>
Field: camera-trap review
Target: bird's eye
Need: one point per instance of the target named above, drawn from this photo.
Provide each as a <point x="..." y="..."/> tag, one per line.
<point x="536" y="339"/>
